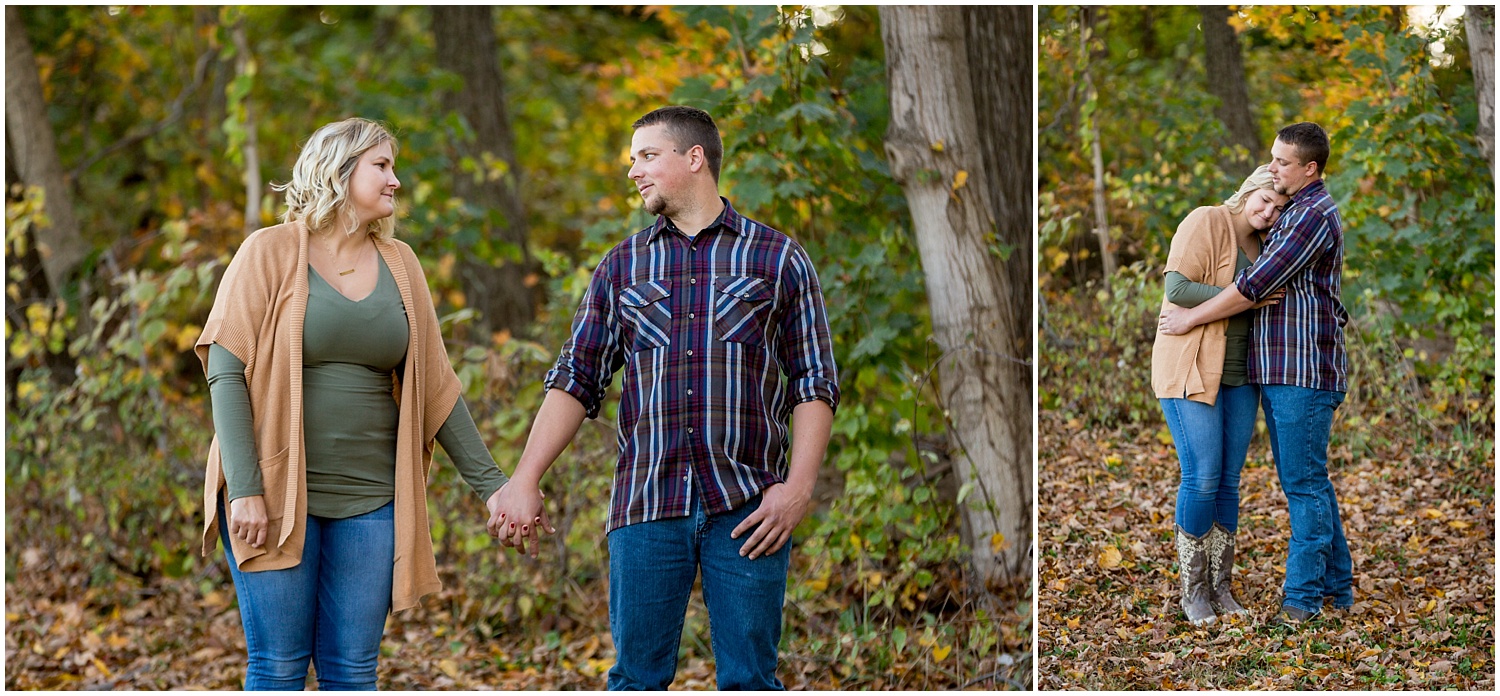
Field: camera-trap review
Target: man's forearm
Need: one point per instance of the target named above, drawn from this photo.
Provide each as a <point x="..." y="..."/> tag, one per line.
<point x="557" y="421"/>
<point x="812" y="426"/>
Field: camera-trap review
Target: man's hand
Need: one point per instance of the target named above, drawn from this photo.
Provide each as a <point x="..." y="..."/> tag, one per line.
<point x="516" y="513"/>
<point x="247" y="520"/>
<point x="781" y="510"/>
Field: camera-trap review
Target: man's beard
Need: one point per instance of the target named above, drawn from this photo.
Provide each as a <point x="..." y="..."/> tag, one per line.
<point x="657" y="205"/>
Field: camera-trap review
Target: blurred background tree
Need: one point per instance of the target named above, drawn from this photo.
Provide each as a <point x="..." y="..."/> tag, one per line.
<point x="160" y="130"/>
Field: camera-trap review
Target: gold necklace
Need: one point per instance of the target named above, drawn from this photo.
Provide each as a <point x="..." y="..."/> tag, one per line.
<point x="329" y="250"/>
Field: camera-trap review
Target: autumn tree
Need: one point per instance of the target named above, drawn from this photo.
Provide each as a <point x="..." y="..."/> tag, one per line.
<point x="938" y="156"/>
<point x="60" y="245"/>
<point x="1226" y="80"/>
<point x="487" y="176"/>
<point x="1479" y="21"/>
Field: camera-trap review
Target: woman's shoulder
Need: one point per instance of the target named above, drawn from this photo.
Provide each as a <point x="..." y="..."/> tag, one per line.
<point x="1203" y="218"/>
<point x="276" y="241"/>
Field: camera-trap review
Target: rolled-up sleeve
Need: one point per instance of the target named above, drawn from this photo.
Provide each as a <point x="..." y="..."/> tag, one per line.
<point x="591" y="355"/>
<point x="1304" y="238"/>
<point x="805" y="350"/>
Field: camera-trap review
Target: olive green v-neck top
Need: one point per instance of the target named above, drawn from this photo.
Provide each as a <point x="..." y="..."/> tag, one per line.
<point x="1186" y="293"/>
<point x="349" y="351"/>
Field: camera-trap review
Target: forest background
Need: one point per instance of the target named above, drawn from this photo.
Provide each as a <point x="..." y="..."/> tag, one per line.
<point x="1145" y="114"/>
<point x="140" y="148"/>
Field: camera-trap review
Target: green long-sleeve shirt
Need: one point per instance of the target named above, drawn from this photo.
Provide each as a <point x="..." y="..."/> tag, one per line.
<point x="349" y="351"/>
<point x="1186" y="293"/>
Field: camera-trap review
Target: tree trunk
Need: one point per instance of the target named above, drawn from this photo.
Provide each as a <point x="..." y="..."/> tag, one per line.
<point x="1479" y="24"/>
<point x="29" y="136"/>
<point x="244" y="64"/>
<point x="936" y="154"/>
<point x="1226" y="80"/>
<point x="466" y="46"/>
<point x="1091" y="132"/>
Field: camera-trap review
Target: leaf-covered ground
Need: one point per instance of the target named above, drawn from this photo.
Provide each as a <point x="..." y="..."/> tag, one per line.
<point x="184" y="633"/>
<point x="1421" y="537"/>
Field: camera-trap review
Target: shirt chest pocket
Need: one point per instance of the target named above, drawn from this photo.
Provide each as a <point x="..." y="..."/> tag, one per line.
<point x="647" y="314"/>
<point x="742" y="307"/>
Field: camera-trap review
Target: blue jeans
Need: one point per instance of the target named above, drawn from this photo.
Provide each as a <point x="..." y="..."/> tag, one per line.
<point x="651" y="571"/>
<point x="1211" y="445"/>
<point x="1318" y="563"/>
<point x="330" y="608"/>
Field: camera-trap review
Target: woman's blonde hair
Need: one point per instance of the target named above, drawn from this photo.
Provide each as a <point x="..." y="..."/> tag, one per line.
<point x="318" y="191"/>
<point x="1259" y="179"/>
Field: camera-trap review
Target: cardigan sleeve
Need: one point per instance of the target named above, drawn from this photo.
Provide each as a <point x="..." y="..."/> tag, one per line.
<point x="246" y="290"/>
<point x="440" y="385"/>
<point x="1191" y="253"/>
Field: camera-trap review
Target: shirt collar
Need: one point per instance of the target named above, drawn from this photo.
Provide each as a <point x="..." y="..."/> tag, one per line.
<point x="1308" y="192"/>
<point x="728" y="220"/>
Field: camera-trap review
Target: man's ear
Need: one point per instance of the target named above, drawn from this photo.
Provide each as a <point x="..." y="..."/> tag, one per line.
<point x="696" y="159"/>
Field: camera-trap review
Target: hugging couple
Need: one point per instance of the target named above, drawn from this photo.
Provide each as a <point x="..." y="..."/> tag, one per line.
<point x="1252" y="317"/>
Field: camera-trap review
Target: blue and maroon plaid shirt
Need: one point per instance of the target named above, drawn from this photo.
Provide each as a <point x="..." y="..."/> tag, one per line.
<point x="705" y="327"/>
<point x="1300" y="341"/>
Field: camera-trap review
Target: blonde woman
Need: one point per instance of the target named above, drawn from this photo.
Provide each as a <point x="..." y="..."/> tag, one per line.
<point x="329" y="383"/>
<point x="1201" y="379"/>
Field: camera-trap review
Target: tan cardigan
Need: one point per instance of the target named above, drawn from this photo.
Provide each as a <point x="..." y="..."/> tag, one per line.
<point x="257" y="315"/>
<point x="1191" y="365"/>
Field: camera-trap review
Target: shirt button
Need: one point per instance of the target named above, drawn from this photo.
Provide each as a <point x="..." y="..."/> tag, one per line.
<point x="692" y="315"/>
<point x="692" y="281"/>
<point x="684" y="479"/>
<point x="690" y="431"/>
<point x="690" y="392"/>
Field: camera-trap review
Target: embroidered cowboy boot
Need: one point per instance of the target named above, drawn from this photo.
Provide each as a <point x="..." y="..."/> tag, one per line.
<point x="1192" y="570"/>
<point x="1220" y="543"/>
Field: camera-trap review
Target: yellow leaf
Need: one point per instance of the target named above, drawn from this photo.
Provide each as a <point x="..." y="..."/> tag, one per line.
<point x="940" y="652"/>
<point x="449" y="667"/>
<point x="1073" y="622"/>
<point x="1110" y="558"/>
<point x="1459" y="524"/>
<point x="960" y="179"/>
<point x="1441" y="406"/>
<point x="997" y="542"/>
<point x="1432" y="514"/>
<point x="937" y="146"/>
<point x="818" y="584"/>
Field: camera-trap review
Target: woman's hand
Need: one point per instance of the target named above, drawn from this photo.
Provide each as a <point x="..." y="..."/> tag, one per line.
<point x="1271" y="299"/>
<point x="1175" y="322"/>
<point x="516" y="513"/>
<point x="247" y="520"/>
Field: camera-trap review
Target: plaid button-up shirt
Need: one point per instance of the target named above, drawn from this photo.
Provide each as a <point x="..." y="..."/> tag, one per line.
<point x="1300" y="341"/>
<point x="706" y="327"/>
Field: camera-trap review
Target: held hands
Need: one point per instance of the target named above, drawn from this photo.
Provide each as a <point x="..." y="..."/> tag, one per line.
<point x="247" y="520"/>
<point x="781" y="510"/>
<point x="516" y="513"/>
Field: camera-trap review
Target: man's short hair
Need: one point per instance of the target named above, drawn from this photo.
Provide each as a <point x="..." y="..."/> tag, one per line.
<point x="1310" y="141"/>
<point x="688" y="126"/>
